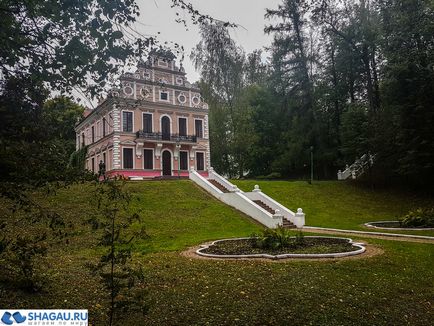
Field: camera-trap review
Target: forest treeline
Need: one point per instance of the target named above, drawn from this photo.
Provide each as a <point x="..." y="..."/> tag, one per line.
<point x="345" y="78"/>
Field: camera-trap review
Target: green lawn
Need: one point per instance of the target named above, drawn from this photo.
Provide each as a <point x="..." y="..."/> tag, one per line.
<point x="340" y="205"/>
<point x="394" y="288"/>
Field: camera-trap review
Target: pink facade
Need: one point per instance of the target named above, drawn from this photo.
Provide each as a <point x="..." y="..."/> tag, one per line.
<point x="155" y="124"/>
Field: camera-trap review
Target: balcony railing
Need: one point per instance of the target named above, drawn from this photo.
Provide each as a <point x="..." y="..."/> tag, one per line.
<point x="158" y="136"/>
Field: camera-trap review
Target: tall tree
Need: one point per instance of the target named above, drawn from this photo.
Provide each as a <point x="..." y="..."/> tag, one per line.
<point x="409" y="87"/>
<point x="221" y="64"/>
<point x="292" y="69"/>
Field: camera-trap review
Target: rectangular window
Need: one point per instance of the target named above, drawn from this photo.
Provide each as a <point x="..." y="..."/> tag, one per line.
<point x="103" y="127"/>
<point x="93" y="164"/>
<point x="162" y="63"/>
<point x="182" y="126"/>
<point x="82" y="140"/>
<point x="98" y="130"/>
<point x="164" y="96"/>
<point x="200" y="161"/>
<point x="183" y="160"/>
<point x="147" y="122"/>
<point x="127" y="121"/>
<point x="198" y="128"/>
<point x="148" y="159"/>
<point x="103" y="157"/>
<point x="128" y="158"/>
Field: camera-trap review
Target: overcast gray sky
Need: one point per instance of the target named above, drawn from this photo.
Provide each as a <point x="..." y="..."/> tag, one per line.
<point x="157" y="16"/>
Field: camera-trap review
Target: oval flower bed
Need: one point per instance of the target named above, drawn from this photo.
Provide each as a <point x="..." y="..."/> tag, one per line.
<point x="394" y="225"/>
<point x="311" y="247"/>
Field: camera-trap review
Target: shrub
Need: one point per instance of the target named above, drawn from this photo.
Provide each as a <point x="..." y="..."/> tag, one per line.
<point x="276" y="239"/>
<point x="419" y="218"/>
<point x="271" y="176"/>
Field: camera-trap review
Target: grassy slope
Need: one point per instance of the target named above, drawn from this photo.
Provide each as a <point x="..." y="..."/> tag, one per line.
<point x="340" y="204"/>
<point x="391" y="289"/>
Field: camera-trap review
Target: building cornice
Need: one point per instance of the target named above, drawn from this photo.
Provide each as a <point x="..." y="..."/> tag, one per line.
<point x="153" y="83"/>
<point x="132" y="103"/>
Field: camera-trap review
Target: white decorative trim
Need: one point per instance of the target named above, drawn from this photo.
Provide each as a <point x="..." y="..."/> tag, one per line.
<point x="203" y="129"/>
<point x="116" y="162"/>
<point x="186" y="125"/>
<point x="204" y="160"/>
<point x="168" y="96"/>
<point x="196" y="98"/>
<point x="179" y="160"/>
<point x="146" y="74"/>
<point x="384" y="234"/>
<point x="179" y="98"/>
<point x="139" y="149"/>
<point x="179" y="80"/>
<point x="153" y="158"/>
<point x="145" y="92"/>
<point x="359" y="251"/>
<point x="122" y="120"/>
<point x="134" y="160"/>
<point x="152" y="120"/>
<point x="158" y="150"/>
<point x="124" y="89"/>
<point x="171" y="124"/>
<point x="171" y="160"/>
<point x="372" y="225"/>
<point x="162" y="63"/>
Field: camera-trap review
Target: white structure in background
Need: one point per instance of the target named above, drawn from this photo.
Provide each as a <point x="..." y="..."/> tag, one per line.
<point x="256" y="204"/>
<point x="355" y="170"/>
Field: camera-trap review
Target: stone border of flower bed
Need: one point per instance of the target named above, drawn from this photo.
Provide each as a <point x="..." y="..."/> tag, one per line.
<point x="361" y="250"/>
<point x="370" y="225"/>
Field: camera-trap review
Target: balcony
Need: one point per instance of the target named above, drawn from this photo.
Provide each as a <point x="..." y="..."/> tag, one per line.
<point x="163" y="137"/>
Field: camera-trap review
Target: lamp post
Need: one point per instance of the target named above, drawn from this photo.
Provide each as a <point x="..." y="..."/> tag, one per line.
<point x="311" y="164"/>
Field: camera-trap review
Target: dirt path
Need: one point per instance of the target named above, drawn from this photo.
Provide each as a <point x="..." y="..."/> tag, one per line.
<point x="367" y="235"/>
<point x="371" y="251"/>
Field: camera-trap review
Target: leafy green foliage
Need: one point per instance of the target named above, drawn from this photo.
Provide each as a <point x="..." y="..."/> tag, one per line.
<point x="29" y="230"/>
<point x="342" y="205"/>
<point x="276" y="239"/>
<point x="187" y="291"/>
<point x="340" y="79"/>
<point x="114" y="268"/>
<point x="65" y="42"/>
<point x="420" y="217"/>
<point x="37" y="135"/>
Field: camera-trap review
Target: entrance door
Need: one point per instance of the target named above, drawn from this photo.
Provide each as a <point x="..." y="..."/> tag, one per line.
<point x="167" y="163"/>
<point x="165" y="128"/>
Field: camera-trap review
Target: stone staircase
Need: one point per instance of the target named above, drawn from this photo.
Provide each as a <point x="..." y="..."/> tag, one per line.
<point x="218" y="185"/>
<point x="358" y="168"/>
<point x="255" y="203"/>
<point x="286" y="224"/>
<point x="264" y="206"/>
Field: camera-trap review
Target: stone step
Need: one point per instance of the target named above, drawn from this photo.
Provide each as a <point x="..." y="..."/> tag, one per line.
<point x="264" y="206"/>
<point x="286" y="224"/>
<point x="218" y="185"/>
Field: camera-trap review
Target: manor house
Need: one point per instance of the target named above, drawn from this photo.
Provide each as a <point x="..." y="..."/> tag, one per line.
<point x="155" y="124"/>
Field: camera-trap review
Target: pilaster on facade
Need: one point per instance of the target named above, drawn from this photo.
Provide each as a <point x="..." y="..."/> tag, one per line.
<point x="205" y="131"/>
<point x="208" y="156"/>
<point x="116" y="137"/>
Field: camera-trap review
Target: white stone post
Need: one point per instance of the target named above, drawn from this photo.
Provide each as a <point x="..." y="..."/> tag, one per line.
<point x="278" y="216"/>
<point x="256" y="189"/>
<point x="299" y="219"/>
